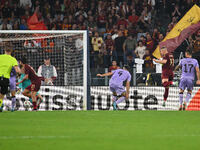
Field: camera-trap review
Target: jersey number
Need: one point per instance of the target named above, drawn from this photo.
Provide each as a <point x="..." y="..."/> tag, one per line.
<point x="120" y="73"/>
<point x="190" y="66"/>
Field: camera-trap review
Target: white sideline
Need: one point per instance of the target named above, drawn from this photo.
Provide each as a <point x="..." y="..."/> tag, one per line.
<point x="33" y="137"/>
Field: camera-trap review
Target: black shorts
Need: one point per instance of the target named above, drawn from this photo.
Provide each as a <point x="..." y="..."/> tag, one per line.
<point x="4" y="83"/>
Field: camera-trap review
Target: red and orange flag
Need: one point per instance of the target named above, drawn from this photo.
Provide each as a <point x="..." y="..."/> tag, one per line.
<point x="188" y="25"/>
<point x="35" y="24"/>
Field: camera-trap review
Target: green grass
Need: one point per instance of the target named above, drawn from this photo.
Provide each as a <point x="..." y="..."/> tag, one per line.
<point x="100" y="130"/>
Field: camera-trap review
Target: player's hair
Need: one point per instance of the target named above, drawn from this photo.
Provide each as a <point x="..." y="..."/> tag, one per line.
<point x="8" y="47"/>
<point x="23" y="59"/>
<point x="127" y="67"/>
<point x="189" y="52"/>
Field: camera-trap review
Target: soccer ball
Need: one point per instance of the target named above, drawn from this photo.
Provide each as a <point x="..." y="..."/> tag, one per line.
<point x="27" y="104"/>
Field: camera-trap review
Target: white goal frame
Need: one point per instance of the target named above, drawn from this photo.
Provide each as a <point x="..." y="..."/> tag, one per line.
<point x="86" y="89"/>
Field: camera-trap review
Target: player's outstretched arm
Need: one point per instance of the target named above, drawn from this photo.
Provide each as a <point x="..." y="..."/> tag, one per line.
<point x="198" y="77"/>
<point x="164" y="61"/>
<point x="105" y="74"/>
<point x="25" y="78"/>
<point x="17" y="69"/>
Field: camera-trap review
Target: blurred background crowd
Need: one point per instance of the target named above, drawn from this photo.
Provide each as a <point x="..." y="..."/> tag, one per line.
<point x="119" y="30"/>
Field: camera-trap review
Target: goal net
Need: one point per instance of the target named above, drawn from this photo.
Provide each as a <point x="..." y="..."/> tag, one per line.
<point x="67" y="52"/>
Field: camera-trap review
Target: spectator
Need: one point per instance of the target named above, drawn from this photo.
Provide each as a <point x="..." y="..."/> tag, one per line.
<point x="119" y="41"/>
<point x="174" y="21"/>
<point x="23" y="25"/>
<point x="97" y="43"/>
<point x="176" y="12"/>
<point x="115" y="32"/>
<point x="161" y="37"/>
<point x="17" y="10"/>
<point x="81" y="22"/>
<point x="108" y="53"/>
<point x="152" y="3"/>
<point x="140" y="50"/>
<point x="156" y="35"/>
<point x="133" y="18"/>
<point x="122" y="21"/>
<point x="91" y="22"/>
<point x="150" y="44"/>
<point x="124" y="9"/>
<point x="47" y="71"/>
<point x="114" y="66"/>
<point x="148" y="62"/>
<point x="143" y="39"/>
<point x="5" y="25"/>
<point x="129" y="49"/>
<point x="57" y="7"/>
<point x="24" y="3"/>
<point x="101" y="22"/>
<point x="6" y="10"/>
<point x="81" y="12"/>
<point x="113" y="6"/>
<point x="70" y="19"/>
<point x="109" y="25"/>
<point x="16" y="26"/>
<point x="145" y="20"/>
<point x="196" y="46"/>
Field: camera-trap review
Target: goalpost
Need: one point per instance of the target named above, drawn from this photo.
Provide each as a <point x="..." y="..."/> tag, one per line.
<point x="68" y="52"/>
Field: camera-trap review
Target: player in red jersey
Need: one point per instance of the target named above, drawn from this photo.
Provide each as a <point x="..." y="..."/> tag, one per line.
<point x="32" y="89"/>
<point x="167" y="71"/>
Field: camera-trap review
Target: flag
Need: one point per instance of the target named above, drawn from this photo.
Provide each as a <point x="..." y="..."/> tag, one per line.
<point x="188" y="25"/>
<point x="35" y="24"/>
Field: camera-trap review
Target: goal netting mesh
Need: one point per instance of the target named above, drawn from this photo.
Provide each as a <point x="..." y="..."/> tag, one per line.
<point x="65" y="51"/>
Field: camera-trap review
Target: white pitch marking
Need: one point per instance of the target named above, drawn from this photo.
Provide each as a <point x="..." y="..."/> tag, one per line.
<point x="33" y="137"/>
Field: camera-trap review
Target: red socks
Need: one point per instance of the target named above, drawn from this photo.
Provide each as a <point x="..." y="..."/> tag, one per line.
<point x="166" y="93"/>
<point x="34" y="105"/>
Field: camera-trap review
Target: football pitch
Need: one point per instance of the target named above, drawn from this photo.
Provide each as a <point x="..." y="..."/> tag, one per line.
<point x="100" y="130"/>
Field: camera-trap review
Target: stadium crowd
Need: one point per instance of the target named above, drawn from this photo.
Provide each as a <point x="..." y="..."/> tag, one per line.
<point x="120" y="30"/>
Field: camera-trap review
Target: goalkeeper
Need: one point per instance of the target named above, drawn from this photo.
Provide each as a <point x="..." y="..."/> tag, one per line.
<point x="24" y="85"/>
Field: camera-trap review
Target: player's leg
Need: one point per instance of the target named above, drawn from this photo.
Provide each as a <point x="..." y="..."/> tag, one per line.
<point x="13" y="92"/>
<point x="39" y="99"/>
<point x="190" y="85"/>
<point x="181" y="99"/>
<point x="187" y="100"/>
<point x="112" y="89"/>
<point x="1" y="102"/>
<point x="33" y="95"/>
<point x="4" y="83"/>
<point x="13" y="98"/>
<point x="114" y="95"/>
<point x="34" y="99"/>
<point x="35" y="87"/>
<point x="114" y="99"/>
<point x="27" y="92"/>
<point x="167" y="81"/>
<point x="166" y="84"/>
<point x="121" y="95"/>
<point x="182" y="86"/>
<point x="121" y="98"/>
